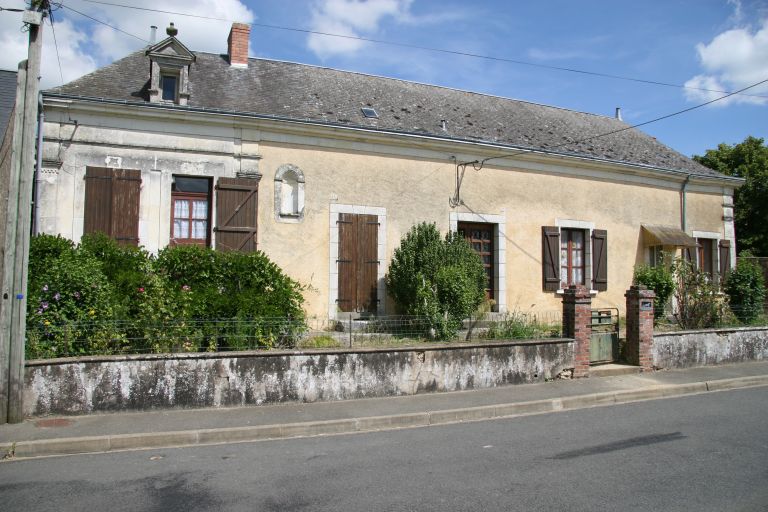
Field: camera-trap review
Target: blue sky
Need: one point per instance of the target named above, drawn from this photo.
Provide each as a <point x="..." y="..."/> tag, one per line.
<point x="712" y="44"/>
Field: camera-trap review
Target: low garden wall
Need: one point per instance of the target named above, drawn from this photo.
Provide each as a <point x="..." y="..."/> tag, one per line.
<point x="119" y="383"/>
<point x="699" y="348"/>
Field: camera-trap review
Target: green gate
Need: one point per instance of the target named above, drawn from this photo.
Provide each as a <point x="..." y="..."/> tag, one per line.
<point x="604" y="344"/>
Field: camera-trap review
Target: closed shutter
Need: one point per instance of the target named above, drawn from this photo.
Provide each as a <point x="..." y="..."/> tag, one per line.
<point x="347" y="262"/>
<point x="237" y="201"/>
<point x="550" y="258"/>
<point x="112" y="200"/>
<point x="599" y="260"/>
<point x="725" y="257"/>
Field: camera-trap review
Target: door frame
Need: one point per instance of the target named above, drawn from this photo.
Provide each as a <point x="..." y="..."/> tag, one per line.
<point x="333" y="266"/>
<point x="499" y="251"/>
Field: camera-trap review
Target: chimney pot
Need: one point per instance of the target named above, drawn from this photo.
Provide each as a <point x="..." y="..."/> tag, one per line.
<point x="152" y="34"/>
<point x="618" y="113"/>
<point x="237" y="45"/>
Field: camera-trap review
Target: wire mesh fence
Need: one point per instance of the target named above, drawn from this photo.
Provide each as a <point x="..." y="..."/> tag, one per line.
<point x="115" y="337"/>
<point x="709" y="315"/>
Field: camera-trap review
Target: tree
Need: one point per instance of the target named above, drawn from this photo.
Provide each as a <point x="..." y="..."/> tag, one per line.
<point x="748" y="160"/>
<point x="440" y="280"/>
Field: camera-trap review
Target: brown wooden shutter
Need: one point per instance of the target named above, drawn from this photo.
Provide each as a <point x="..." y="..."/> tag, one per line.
<point x="112" y="200"/>
<point x="599" y="260"/>
<point x="367" y="282"/>
<point x="550" y="259"/>
<point x="725" y="257"/>
<point x="237" y="201"/>
<point x="347" y="262"/>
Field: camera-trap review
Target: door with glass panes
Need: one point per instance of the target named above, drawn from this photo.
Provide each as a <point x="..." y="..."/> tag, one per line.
<point x="480" y="237"/>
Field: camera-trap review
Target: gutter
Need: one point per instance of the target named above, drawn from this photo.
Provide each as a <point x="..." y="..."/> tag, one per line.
<point x="732" y="181"/>
<point x="38" y="164"/>
<point x="683" y="203"/>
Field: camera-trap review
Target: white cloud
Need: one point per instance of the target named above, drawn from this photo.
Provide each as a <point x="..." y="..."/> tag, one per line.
<point x="84" y="45"/>
<point x="196" y="33"/>
<point x="353" y="18"/>
<point x="733" y="60"/>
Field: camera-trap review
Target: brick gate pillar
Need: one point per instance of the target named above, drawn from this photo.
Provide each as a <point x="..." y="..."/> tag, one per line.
<point x="577" y="324"/>
<point x="640" y="326"/>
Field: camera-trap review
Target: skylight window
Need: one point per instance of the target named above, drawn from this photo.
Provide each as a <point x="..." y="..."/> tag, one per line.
<point x="369" y="112"/>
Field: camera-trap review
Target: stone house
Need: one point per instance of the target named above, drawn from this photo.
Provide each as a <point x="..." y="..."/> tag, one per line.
<point x="325" y="171"/>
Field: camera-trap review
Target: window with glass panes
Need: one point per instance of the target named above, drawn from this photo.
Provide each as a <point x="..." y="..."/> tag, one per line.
<point x="572" y="257"/>
<point x="190" y="211"/>
<point x="480" y="237"/>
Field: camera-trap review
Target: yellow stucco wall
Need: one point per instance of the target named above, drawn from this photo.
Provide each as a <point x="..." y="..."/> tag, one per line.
<point x="414" y="190"/>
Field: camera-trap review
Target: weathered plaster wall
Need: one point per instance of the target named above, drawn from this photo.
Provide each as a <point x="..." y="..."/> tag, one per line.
<point x="100" y="384"/>
<point x="700" y="348"/>
<point x="410" y="178"/>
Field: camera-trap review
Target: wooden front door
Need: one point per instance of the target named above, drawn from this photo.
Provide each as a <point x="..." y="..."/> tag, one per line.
<point x="480" y="237"/>
<point x="358" y="262"/>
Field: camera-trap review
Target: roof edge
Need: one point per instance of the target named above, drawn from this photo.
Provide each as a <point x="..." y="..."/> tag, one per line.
<point x="731" y="180"/>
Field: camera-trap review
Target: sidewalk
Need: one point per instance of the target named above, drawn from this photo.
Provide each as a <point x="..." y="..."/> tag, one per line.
<point x="62" y="435"/>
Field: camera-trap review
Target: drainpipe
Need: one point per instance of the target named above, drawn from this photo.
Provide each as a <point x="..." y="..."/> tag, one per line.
<point x="683" y="224"/>
<point x="38" y="164"/>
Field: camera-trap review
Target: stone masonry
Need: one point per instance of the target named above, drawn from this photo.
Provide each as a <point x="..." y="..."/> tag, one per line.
<point x="577" y="324"/>
<point x="640" y="327"/>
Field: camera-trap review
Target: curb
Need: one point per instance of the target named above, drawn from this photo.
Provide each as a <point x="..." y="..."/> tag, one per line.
<point x="186" y="438"/>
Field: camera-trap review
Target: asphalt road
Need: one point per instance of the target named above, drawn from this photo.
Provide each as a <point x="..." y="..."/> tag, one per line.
<point x="700" y="453"/>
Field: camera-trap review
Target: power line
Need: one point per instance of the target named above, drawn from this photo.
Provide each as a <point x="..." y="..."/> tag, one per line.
<point x="56" y="44"/>
<point x="428" y="48"/>
<point x="613" y="132"/>
<point x="103" y="23"/>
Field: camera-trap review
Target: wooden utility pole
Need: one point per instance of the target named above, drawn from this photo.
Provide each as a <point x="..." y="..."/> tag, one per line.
<point x="13" y="308"/>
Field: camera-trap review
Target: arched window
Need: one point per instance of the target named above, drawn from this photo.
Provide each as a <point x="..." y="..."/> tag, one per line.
<point x="289" y="193"/>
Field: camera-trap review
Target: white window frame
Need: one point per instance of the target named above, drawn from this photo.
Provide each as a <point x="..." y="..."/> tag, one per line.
<point x="588" y="227"/>
<point x="333" y="266"/>
<point x="715" y="237"/>
<point x="499" y="251"/>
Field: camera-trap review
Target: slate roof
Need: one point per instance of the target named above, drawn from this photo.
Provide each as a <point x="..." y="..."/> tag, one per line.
<point x="304" y="92"/>
<point x="7" y="97"/>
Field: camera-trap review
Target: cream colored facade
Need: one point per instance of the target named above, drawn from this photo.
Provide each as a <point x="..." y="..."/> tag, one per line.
<point x="403" y="179"/>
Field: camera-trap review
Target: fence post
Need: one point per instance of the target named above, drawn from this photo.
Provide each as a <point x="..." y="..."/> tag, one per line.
<point x="640" y="327"/>
<point x="577" y="324"/>
<point x="350" y="331"/>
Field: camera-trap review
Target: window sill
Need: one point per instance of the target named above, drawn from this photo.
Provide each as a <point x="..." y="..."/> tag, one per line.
<point x="562" y="292"/>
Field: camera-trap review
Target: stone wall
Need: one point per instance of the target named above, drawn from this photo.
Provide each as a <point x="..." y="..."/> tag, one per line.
<point x="100" y="384"/>
<point x="699" y="348"/>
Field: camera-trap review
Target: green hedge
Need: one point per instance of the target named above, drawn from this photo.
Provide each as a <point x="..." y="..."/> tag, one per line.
<point x="99" y="298"/>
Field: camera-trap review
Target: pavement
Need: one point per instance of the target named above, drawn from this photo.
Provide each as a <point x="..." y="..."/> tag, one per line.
<point x="66" y="435"/>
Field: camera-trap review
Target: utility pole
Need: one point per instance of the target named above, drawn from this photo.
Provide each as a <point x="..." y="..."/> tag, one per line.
<point x="13" y="308"/>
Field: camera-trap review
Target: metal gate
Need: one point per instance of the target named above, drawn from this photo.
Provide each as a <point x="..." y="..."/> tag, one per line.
<point x="604" y="344"/>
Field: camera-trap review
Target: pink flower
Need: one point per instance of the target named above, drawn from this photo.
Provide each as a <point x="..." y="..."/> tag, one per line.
<point x="186" y="288"/>
<point x="141" y="289"/>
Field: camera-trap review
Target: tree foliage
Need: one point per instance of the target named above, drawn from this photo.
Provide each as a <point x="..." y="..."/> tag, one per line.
<point x="660" y="280"/>
<point x="748" y="160"/>
<point x="440" y="279"/>
<point x="745" y="288"/>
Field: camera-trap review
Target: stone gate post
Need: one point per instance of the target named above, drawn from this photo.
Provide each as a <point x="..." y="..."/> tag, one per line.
<point x="577" y="324"/>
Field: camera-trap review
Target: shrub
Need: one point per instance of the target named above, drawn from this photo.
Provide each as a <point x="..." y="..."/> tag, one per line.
<point x="442" y="280"/>
<point x="745" y="288"/>
<point x="698" y="302"/>
<point x="70" y="304"/>
<point x="660" y="280"/>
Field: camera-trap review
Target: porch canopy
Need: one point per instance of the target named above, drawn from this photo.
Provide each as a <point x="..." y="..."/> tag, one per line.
<point x="665" y="235"/>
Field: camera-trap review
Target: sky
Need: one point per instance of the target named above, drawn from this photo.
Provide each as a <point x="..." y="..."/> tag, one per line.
<point x="720" y="45"/>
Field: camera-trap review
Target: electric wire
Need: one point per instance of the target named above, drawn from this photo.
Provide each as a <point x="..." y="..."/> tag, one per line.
<point x="428" y="48"/>
<point x="613" y="132"/>
<point x="102" y="22"/>
<point x="56" y="44"/>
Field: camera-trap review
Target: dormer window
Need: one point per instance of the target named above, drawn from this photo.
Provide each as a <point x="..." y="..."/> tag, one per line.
<point x="169" y="70"/>
<point x="170" y="87"/>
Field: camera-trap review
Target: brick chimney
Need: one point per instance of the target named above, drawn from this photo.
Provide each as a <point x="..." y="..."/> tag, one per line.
<point x="237" y="45"/>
